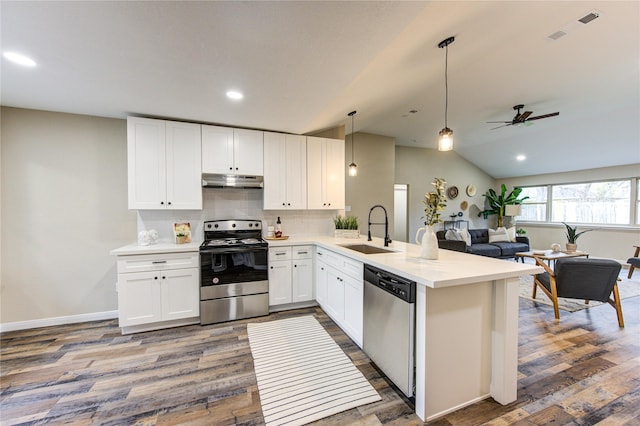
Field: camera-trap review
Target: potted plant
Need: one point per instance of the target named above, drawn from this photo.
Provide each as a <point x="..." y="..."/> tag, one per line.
<point x="497" y="203"/>
<point x="346" y="227"/>
<point x="434" y="203"/>
<point x="572" y="236"/>
<point x="521" y="232"/>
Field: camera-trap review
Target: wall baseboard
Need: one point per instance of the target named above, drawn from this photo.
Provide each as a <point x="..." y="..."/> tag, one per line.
<point x="47" y="322"/>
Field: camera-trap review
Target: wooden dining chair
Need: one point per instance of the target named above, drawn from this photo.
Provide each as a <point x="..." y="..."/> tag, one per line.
<point x="634" y="261"/>
<point x="580" y="278"/>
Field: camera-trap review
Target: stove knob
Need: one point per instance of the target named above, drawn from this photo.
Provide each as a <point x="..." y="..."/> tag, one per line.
<point x="215" y="226"/>
<point x="250" y="225"/>
<point x="233" y="225"/>
<point x="257" y="224"/>
<point x="208" y="225"/>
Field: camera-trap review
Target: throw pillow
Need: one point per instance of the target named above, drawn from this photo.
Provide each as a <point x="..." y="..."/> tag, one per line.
<point x="512" y="233"/>
<point x="453" y="235"/>
<point x="498" y="235"/>
<point x="466" y="236"/>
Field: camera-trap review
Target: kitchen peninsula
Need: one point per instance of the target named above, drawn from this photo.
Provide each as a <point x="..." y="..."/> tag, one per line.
<point x="466" y="336"/>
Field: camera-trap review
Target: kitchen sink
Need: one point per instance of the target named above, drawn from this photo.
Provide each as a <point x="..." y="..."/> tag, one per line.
<point x="366" y="248"/>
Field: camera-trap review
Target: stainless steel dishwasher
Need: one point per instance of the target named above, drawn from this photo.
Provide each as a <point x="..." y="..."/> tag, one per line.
<point x="389" y="326"/>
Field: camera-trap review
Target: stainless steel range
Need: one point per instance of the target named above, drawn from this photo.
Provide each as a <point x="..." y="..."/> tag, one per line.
<point x="234" y="281"/>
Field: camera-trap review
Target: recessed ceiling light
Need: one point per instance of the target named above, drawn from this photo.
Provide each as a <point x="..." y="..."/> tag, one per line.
<point x="19" y="59"/>
<point x="521" y="157"/>
<point x="233" y="94"/>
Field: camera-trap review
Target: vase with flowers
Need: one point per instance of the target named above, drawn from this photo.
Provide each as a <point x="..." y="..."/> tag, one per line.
<point x="435" y="202"/>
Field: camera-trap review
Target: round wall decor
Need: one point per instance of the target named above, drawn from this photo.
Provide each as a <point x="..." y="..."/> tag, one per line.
<point x="471" y="190"/>
<point x="464" y="205"/>
<point x="452" y="192"/>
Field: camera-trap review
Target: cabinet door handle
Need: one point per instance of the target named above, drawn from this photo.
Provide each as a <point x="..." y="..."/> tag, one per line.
<point x="303" y="252"/>
<point x="280" y="254"/>
<point x="271" y="267"/>
<point x="295" y="266"/>
<point x="319" y="253"/>
<point x="155" y="278"/>
<point x="164" y="278"/>
<point x="156" y="262"/>
<point x="162" y="203"/>
<point x="169" y="203"/>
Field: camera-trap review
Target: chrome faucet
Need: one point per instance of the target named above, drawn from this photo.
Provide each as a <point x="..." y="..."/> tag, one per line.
<point x="387" y="240"/>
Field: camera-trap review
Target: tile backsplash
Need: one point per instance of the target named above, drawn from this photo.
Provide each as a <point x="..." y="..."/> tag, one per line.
<point x="229" y="203"/>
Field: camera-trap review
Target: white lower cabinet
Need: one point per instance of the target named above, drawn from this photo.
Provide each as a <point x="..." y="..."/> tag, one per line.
<point x="340" y="291"/>
<point x="158" y="291"/>
<point x="290" y="275"/>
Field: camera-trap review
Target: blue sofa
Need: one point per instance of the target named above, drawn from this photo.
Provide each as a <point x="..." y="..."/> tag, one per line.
<point x="481" y="246"/>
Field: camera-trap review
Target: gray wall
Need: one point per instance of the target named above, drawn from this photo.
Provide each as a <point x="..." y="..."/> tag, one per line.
<point x="375" y="157"/>
<point x="64" y="207"/>
<point x="418" y="166"/>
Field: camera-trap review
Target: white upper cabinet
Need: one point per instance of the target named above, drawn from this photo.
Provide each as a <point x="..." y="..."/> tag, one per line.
<point x="164" y="164"/>
<point x="325" y="173"/>
<point x="232" y="151"/>
<point x="285" y="171"/>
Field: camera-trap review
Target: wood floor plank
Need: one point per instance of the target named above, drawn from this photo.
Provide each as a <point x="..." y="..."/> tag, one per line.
<point x="583" y="370"/>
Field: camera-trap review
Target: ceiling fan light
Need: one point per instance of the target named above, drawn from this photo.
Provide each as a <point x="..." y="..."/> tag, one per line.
<point x="353" y="169"/>
<point x="445" y="141"/>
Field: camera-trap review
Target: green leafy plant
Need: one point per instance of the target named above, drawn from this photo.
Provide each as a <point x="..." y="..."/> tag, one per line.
<point x="346" y="222"/>
<point x="435" y="202"/>
<point x="521" y="231"/>
<point x="573" y="234"/>
<point x="497" y="203"/>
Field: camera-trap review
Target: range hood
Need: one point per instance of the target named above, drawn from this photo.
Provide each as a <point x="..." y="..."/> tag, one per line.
<point x="231" y="181"/>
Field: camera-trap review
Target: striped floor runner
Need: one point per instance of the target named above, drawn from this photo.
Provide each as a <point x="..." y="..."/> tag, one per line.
<point x="303" y="375"/>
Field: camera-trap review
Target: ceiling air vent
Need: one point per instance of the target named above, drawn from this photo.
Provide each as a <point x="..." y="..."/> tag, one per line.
<point x="588" y="18"/>
<point x="557" y="35"/>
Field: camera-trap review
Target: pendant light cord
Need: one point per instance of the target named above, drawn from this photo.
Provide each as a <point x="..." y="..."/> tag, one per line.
<point x="446" y="84"/>
<point x="352" y="114"/>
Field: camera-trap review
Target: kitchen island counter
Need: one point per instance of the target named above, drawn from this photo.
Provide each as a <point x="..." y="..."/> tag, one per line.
<point x="466" y="331"/>
<point x="451" y="269"/>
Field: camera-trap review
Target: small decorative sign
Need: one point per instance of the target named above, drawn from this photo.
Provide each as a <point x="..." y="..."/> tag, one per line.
<point x="182" y="231"/>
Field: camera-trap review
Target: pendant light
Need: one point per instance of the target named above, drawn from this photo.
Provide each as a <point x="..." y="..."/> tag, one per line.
<point x="445" y="141"/>
<point x="353" y="167"/>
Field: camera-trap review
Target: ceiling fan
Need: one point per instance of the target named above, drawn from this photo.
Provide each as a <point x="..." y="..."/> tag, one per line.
<point x="522" y="118"/>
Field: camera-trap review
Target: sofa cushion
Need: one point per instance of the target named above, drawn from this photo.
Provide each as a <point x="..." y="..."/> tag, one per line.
<point x="509" y="249"/>
<point x="479" y="236"/>
<point x="483" y="249"/>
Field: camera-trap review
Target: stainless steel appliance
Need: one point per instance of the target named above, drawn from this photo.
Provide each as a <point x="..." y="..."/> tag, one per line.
<point x="389" y="326"/>
<point x="234" y="282"/>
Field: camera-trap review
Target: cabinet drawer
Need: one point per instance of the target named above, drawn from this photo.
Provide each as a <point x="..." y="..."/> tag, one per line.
<point x="353" y="268"/>
<point x="302" y="252"/>
<point x="279" y="253"/>
<point x="156" y="262"/>
<point x="330" y="258"/>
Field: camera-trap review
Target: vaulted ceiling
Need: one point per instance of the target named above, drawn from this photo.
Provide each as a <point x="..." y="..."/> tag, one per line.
<point x="303" y="66"/>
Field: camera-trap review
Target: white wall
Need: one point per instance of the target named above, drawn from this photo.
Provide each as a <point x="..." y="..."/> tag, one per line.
<point x="63" y="197"/>
<point x="64" y="207"/>
<point x="612" y="242"/>
<point x="418" y="166"/>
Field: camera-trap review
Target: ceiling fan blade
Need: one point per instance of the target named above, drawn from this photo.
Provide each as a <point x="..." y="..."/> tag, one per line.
<point x="553" y="114"/>
<point x="505" y="125"/>
<point x="522" y="117"/>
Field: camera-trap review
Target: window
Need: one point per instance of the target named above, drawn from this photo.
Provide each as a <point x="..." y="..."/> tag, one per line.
<point x="593" y="202"/>
<point x="638" y="201"/>
<point x="534" y="208"/>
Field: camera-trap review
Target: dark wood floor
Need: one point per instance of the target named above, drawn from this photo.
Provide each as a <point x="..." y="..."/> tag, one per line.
<point x="581" y="371"/>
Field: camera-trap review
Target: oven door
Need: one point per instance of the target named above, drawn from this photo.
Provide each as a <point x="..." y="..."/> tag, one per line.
<point x="233" y="266"/>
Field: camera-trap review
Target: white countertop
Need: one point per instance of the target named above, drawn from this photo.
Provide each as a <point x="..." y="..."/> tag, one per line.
<point x="451" y="269"/>
<point x="159" y="248"/>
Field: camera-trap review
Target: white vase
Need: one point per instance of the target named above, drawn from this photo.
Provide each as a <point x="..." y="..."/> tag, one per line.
<point x="428" y="243"/>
